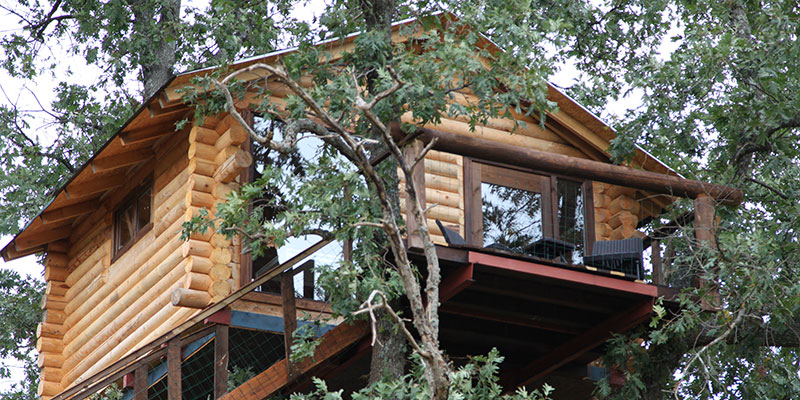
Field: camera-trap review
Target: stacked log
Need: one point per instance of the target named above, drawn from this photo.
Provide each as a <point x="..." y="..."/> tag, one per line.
<point x="616" y="212"/>
<point x="444" y="187"/>
<point x="215" y="162"/>
<point x="51" y="330"/>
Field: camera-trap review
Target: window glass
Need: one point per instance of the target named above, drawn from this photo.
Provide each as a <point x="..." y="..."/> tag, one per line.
<point x="571" y="225"/>
<point x="143" y="212"/>
<point x="126" y="227"/>
<point x="512" y="218"/>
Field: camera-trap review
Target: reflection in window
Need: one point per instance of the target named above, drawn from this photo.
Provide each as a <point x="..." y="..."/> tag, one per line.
<point x="512" y="218"/>
<point x="131" y="219"/>
<point x="571" y="225"/>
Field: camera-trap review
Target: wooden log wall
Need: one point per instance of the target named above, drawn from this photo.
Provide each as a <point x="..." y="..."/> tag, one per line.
<point x="444" y="186"/>
<point x="95" y="310"/>
<point x="212" y="261"/>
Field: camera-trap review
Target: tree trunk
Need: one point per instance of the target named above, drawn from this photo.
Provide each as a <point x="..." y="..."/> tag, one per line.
<point x="389" y="353"/>
<point x="158" y="57"/>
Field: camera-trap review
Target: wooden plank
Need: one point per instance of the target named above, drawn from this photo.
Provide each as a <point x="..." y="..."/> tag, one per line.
<point x="221" y="358"/>
<point x="174" y="369"/>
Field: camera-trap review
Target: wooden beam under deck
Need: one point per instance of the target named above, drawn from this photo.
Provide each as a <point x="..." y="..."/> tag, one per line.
<point x="590" y="339"/>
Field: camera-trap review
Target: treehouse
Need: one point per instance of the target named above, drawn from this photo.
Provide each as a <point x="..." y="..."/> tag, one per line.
<point x="537" y="231"/>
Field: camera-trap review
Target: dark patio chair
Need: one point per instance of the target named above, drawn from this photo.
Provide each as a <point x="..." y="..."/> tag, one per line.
<point x="450" y="236"/>
<point x="618" y="255"/>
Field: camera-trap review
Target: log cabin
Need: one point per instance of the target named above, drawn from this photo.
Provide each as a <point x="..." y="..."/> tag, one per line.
<point x="128" y="302"/>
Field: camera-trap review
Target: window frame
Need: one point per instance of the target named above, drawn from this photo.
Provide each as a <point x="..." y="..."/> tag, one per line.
<point x="131" y="199"/>
<point x="474" y="173"/>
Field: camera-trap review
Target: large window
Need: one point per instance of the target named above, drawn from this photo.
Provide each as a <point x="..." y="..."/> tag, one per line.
<point x="526" y="213"/>
<point x="132" y="219"/>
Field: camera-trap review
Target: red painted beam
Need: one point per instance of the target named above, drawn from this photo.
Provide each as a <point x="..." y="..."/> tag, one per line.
<point x="590" y="339"/>
<point x="455" y="282"/>
<point x="562" y="274"/>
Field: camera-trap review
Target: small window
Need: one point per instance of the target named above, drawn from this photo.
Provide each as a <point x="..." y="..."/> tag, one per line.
<point x="132" y="219"/>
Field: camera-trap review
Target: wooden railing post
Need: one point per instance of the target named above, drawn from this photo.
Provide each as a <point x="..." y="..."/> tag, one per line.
<point x="221" y="358"/>
<point x="140" y="383"/>
<point x="289" y="313"/>
<point x="174" y="369"/>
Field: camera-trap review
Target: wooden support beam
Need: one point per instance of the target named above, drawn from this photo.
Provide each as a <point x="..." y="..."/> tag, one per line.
<point x="455" y="282"/>
<point x="140" y="382"/>
<point x="577" y="167"/>
<point x="121" y="160"/>
<point x="289" y="314"/>
<point x="277" y="376"/>
<point x="582" y="343"/>
<point x="29" y="240"/>
<point x="94" y="185"/>
<point x="67" y="212"/>
<point x="128" y="138"/>
<point x="308" y="283"/>
<point x="221" y="359"/>
<point x="655" y="261"/>
<point x="174" y="391"/>
<point x="505" y="318"/>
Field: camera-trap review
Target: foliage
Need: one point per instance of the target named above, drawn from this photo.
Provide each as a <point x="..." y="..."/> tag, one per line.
<point x="719" y="103"/>
<point x="237" y="376"/>
<point x="477" y="379"/>
<point x="112" y="392"/>
<point x="19" y="305"/>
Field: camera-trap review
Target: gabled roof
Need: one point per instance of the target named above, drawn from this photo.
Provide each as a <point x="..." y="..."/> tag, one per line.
<point x="138" y="140"/>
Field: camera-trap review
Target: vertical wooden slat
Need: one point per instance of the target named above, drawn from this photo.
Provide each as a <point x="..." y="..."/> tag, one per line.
<point x="221" y="357"/>
<point x="174" y="369"/>
<point x="472" y="201"/>
<point x="411" y="151"/>
<point x="140" y="383"/>
<point x="289" y="312"/>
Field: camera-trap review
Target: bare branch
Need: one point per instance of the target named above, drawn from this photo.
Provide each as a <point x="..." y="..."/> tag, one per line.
<point x="370" y="306"/>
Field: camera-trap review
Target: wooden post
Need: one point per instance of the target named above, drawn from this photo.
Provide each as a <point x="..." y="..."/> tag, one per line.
<point x="140" y="383"/>
<point x="221" y="358"/>
<point x="308" y="283"/>
<point x="174" y="391"/>
<point x="655" y="261"/>
<point x="411" y="151"/>
<point x="704" y="233"/>
<point x="289" y="313"/>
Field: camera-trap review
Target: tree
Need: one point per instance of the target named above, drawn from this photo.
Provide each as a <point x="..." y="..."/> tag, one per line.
<point x="19" y="306"/>
<point x="721" y="107"/>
